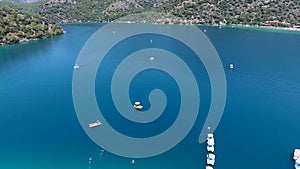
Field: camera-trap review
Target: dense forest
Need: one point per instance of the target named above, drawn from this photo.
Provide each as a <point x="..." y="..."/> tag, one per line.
<point x="282" y="13"/>
<point x="18" y="26"/>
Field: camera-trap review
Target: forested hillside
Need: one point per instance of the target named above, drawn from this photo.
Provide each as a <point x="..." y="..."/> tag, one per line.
<point x="22" y="22"/>
<point x="251" y="12"/>
<point x="16" y="26"/>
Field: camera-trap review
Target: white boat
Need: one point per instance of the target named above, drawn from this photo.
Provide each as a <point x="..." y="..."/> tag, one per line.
<point x="211" y="142"/>
<point x="296" y="154"/>
<point x="101" y="152"/>
<point x="210" y="136"/>
<point x="151" y="58"/>
<point x="90" y="160"/>
<point x="132" y="161"/>
<point x="209" y="167"/>
<point x="76" y="66"/>
<point x="210" y="148"/>
<point x="231" y="66"/>
<point x="95" y="124"/>
<point x="210" y="139"/>
<point x="210" y="159"/>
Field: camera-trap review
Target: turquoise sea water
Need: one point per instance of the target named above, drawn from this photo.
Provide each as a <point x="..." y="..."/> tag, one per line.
<point x="259" y="129"/>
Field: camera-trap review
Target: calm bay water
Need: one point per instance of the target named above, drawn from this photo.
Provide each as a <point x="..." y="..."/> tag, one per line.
<point x="259" y="129"/>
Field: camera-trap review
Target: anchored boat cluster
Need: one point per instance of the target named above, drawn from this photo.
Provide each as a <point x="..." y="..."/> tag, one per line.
<point x="210" y="149"/>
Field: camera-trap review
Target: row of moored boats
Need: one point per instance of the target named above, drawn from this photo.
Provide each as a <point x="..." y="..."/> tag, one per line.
<point x="210" y="149"/>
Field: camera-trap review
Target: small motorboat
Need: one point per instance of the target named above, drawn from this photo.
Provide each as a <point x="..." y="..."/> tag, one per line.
<point x="101" y="153"/>
<point x="132" y="161"/>
<point x="231" y="66"/>
<point x="210" y="159"/>
<point x="95" y="124"/>
<point x="76" y="66"/>
<point x="90" y="160"/>
<point x="138" y="106"/>
<point x="210" y="139"/>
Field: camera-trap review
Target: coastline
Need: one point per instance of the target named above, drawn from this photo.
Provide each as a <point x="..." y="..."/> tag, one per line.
<point x="23" y="41"/>
<point x="245" y="27"/>
<point x="267" y="28"/>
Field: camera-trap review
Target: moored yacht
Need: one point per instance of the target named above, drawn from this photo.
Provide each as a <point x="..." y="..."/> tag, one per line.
<point x="211" y="142"/>
<point x="210" y="148"/>
<point x="210" y="136"/>
<point x="210" y="159"/>
<point x="296" y="154"/>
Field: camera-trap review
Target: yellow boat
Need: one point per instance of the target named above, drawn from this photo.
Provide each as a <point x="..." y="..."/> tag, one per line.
<point x="138" y="106"/>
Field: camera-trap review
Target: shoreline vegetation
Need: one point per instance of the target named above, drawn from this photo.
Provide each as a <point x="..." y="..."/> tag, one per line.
<point x="281" y="15"/>
<point x="18" y="27"/>
<point x="256" y="27"/>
